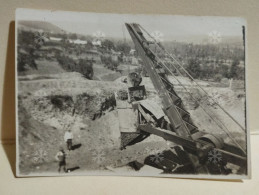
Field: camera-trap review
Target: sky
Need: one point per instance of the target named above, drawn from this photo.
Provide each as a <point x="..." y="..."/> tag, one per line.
<point x="112" y="25"/>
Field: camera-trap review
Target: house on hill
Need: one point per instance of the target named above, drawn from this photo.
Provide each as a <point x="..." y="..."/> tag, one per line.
<point x="78" y="41"/>
<point x="55" y="39"/>
<point x="132" y="52"/>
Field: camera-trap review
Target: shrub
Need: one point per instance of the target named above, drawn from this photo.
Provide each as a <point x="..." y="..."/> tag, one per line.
<point x="85" y="66"/>
<point x="217" y="77"/>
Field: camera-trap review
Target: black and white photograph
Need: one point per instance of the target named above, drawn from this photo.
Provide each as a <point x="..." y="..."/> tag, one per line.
<point x="131" y="95"/>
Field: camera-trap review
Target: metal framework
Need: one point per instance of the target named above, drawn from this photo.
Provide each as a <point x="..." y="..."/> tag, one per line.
<point x="196" y="143"/>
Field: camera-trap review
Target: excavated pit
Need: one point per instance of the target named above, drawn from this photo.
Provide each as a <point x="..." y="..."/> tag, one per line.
<point x="49" y="107"/>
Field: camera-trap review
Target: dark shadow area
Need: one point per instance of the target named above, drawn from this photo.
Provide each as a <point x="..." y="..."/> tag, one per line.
<point x="8" y="109"/>
<point x="135" y="165"/>
<point x="73" y="169"/>
<point x="169" y="162"/>
<point x="76" y="146"/>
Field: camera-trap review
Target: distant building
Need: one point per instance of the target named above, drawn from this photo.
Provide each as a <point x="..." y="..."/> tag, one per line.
<point x="78" y="41"/>
<point x="132" y="52"/>
<point x="55" y="39"/>
<point x="97" y="43"/>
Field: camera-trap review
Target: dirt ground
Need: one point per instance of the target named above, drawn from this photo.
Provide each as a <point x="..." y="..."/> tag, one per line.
<point x="53" y="103"/>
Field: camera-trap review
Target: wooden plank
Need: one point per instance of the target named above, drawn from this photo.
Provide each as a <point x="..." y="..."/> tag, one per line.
<point x="145" y="115"/>
<point x="153" y="107"/>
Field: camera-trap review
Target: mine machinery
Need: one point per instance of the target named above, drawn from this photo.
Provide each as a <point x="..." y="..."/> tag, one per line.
<point x="175" y="124"/>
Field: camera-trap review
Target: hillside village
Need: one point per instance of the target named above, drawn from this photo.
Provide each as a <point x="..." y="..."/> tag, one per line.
<point x="204" y="61"/>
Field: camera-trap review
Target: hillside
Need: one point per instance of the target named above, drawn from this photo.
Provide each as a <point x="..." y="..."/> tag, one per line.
<point x="39" y="25"/>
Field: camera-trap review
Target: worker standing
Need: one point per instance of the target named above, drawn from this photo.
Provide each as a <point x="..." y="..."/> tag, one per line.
<point x="61" y="158"/>
<point x="68" y="137"/>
